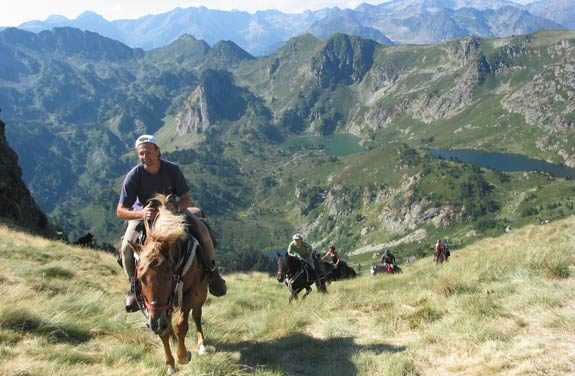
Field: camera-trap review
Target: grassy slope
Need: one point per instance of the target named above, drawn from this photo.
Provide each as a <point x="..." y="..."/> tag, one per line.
<point x="496" y="308"/>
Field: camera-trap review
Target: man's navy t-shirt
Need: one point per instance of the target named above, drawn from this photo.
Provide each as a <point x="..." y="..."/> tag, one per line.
<point x="139" y="185"/>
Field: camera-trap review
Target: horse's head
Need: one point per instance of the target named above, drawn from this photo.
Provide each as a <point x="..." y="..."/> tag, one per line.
<point x="156" y="269"/>
<point x="287" y="266"/>
<point x="282" y="267"/>
<point x="156" y="287"/>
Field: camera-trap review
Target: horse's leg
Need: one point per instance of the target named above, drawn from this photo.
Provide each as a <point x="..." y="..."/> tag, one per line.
<point x="293" y="297"/>
<point x="170" y="363"/>
<point x="307" y="291"/>
<point x="184" y="356"/>
<point x="197" y="316"/>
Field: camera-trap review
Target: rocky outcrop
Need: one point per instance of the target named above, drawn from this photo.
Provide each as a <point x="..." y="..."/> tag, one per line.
<point x="343" y="59"/>
<point x="16" y="203"/>
<point x="551" y="90"/>
<point x="216" y="98"/>
<point x="194" y="118"/>
<point x="413" y="237"/>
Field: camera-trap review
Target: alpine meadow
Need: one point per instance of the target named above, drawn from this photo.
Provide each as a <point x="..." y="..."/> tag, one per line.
<point x="501" y="306"/>
<point x="382" y="128"/>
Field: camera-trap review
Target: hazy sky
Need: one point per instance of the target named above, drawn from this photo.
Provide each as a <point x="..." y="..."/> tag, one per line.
<point x="19" y="11"/>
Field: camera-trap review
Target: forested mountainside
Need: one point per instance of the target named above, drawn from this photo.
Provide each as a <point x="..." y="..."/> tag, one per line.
<point x="73" y="103"/>
<point x="16" y="204"/>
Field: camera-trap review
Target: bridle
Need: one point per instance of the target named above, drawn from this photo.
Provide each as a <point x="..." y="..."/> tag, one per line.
<point x="289" y="279"/>
<point x="182" y="266"/>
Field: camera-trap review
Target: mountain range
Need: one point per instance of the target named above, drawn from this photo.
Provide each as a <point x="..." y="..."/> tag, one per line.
<point x="245" y="130"/>
<point x="393" y="22"/>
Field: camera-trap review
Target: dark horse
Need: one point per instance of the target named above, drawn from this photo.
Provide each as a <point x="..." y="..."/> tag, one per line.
<point x="169" y="277"/>
<point x="342" y="271"/>
<point x="297" y="275"/>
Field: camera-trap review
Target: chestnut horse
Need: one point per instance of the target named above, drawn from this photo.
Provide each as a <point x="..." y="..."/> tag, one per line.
<point x="169" y="276"/>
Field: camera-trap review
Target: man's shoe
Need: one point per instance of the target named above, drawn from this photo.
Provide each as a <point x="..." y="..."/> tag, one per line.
<point x="216" y="284"/>
<point x="130" y="302"/>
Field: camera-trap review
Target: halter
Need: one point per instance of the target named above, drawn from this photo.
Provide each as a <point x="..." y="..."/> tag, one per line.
<point x="181" y="268"/>
<point x="289" y="281"/>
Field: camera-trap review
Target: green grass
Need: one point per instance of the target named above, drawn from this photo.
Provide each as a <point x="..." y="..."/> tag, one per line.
<point x="500" y="306"/>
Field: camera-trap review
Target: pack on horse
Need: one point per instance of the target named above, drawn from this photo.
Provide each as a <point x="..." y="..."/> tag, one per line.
<point x="169" y="277"/>
<point x="298" y="275"/>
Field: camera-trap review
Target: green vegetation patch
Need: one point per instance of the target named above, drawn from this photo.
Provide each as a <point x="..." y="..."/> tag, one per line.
<point x="56" y="272"/>
<point x="422" y="316"/>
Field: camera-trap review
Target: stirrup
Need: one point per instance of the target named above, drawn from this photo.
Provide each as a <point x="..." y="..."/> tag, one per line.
<point x="130" y="302"/>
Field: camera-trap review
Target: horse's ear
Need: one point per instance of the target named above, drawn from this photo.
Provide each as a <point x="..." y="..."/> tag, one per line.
<point x="278" y="253"/>
<point x="135" y="247"/>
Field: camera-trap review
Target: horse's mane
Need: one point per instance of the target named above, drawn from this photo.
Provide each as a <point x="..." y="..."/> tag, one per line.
<point x="167" y="229"/>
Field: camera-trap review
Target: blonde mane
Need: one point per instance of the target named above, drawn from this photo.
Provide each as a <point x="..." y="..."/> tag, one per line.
<point x="167" y="229"/>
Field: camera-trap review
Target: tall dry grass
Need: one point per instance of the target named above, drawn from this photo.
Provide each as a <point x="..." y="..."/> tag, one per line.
<point x="502" y="306"/>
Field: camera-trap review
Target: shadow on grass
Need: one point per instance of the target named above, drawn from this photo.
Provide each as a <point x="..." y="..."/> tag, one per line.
<point x="21" y="320"/>
<point x="301" y="354"/>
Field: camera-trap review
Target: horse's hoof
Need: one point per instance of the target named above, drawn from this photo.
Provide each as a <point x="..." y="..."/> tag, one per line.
<point x="202" y="350"/>
<point x="171" y="370"/>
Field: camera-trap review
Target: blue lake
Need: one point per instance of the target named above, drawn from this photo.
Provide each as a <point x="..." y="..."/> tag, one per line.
<point x="506" y="162"/>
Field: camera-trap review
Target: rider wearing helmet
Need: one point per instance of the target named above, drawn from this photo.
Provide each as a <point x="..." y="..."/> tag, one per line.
<point x="298" y="247"/>
<point x="305" y="252"/>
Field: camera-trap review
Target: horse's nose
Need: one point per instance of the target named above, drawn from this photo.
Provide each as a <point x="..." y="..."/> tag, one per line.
<point x="158" y="323"/>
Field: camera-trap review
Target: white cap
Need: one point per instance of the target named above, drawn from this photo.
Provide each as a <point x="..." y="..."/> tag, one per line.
<point x="297" y="236"/>
<point x="146" y="139"/>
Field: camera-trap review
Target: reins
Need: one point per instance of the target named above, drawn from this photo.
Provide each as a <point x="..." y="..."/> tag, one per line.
<point x="181" y="268"/>
<point x="289" y="282"/>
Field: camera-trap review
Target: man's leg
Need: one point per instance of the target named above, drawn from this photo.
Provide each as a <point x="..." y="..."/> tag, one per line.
<point x="200" y="230"/>
<point x="128" y="263"/>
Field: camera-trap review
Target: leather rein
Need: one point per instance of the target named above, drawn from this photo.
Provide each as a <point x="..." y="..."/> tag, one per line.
<point x="182" y="267"/>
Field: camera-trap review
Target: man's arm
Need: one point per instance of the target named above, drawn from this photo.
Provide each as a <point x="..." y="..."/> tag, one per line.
<point x="185" y="201"/>
<point x="123" y="212"/>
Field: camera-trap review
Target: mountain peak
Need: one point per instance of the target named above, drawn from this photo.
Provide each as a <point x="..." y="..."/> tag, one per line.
<point x="225" y="54"/>
<point x="90" y="17"/>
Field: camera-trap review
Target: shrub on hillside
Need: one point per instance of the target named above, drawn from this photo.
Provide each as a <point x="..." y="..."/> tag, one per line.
<point x="552" y="262"/>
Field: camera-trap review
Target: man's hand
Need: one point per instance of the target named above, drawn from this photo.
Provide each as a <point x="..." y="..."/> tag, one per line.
<point x="150" y="213"/>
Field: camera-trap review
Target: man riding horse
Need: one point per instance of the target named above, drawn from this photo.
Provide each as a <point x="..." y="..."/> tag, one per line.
<point x="336" y="263"/>
<point x="441" y="252"/>
<point x="152" y="176"/>
<point x="305" y="253"/>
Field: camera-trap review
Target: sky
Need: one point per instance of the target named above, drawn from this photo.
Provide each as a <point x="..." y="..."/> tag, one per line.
<point x="20" y="11"/>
